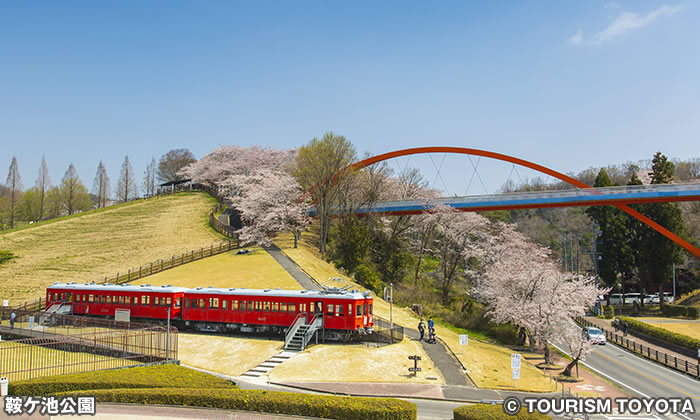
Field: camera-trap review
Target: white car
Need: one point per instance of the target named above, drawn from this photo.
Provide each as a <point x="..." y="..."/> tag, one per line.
<point x="595" y="335"/>
<point x="667" y="298"/>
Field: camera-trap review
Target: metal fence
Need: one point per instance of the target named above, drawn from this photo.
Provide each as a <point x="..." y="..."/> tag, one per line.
<point x="57" y="355"/>
<point x="31" y="324"/>
<point x="383" y="333"/>
<point x="681" y="365"/>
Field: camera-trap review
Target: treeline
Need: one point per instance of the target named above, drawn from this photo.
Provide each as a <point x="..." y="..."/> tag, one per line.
<point x="46" y="201"/>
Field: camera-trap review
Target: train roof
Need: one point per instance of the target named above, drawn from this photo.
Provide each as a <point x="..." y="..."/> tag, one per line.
<point x="326" y="294"/>
<point x="108" y="287"/>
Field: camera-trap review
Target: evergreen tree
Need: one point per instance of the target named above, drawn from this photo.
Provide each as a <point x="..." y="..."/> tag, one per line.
<point x="14" y="186"/>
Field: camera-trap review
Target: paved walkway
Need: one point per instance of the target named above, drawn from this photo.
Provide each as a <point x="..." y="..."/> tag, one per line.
<point x="448" y="366"/>
<point x="291" y="267"/>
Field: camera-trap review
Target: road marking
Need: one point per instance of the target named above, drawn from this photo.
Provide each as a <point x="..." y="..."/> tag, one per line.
<point x="603" y="374"/>
<point x="644" y="374"/>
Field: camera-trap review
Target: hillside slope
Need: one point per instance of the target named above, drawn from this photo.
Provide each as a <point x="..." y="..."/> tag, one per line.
<point x="88" y="247"/>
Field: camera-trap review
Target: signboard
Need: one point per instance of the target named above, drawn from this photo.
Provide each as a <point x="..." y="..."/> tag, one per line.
<point x="516" y="374"/>
<point x="413" y="357"/>
<point x="414" y="369"/>
<point x="31" y="322"/>
<point x="122" y="315"/>
<point x="5" y="303"/>
<point x="515" y="361"/>
<point x="463" y="339"/>
<point x="387" y="294"/>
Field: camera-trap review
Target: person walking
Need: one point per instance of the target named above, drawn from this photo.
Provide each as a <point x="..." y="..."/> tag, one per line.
<point x="421" y="329"/>
<point x="13" y="315"/>
<point x="431" y="328"/>
<point x="625" y="327"/>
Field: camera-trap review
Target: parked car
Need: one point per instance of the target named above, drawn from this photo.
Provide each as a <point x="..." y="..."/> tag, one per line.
<point x="615" y="299"/>
<point x="631" y="298"/>
<point x="668" y="298"/>
<point x="595" y="335"/>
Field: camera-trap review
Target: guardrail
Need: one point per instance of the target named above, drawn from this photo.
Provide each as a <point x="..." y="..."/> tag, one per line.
<point x="671" y="361"/>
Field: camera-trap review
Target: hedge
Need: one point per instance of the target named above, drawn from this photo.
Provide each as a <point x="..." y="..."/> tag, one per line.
<point x="680" y="310"/>
<point x="162" y="376"/>
<point x="322" y="406"/>
<point x="493" y="412"/>
<point x="662" y="334"/>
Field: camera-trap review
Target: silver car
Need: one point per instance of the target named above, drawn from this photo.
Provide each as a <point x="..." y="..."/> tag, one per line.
<point x="595" y="335"/>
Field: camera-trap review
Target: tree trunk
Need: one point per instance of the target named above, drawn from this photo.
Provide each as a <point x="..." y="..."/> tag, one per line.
<point x="296" y="239"/>
<point x="547" y="355"/>
<point x="567" y="370"/>
<point x="532" y="340"/>
<point x="522" y="336"/>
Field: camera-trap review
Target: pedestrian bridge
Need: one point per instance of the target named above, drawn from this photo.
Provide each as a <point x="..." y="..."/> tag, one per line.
<point x="635" y="194"/>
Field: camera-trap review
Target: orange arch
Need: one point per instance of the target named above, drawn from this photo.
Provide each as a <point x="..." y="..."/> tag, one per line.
<point x="467" y="151"/>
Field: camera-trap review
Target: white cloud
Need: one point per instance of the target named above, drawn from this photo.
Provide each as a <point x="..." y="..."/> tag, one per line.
<point x="576" y="38"/>
<point x="627" y="21"/>
<point x="612" y="5"/>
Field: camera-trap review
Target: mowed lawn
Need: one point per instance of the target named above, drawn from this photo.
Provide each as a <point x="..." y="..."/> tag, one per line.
<point x="255" y="270"/>
<point x="92" y="246"/>
<point x="689" y="328"/>
<point x="487" y="364"/>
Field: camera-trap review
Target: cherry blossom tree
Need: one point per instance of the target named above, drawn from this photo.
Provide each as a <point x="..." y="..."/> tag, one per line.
<point x="269" y="202"/>
<point x="523" y="285"/>
<point x="217" y="168"/>
<point x="579" y="347"/>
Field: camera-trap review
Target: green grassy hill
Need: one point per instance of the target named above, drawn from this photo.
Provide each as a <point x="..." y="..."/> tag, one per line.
<point x="90" y="246"/>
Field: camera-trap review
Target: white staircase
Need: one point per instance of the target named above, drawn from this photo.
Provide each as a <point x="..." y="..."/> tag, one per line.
<point x="270" y="364"/>
<point x="58" y="309"/>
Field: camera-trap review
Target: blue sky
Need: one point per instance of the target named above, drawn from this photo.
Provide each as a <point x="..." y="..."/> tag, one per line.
<point x="569" y="85"/>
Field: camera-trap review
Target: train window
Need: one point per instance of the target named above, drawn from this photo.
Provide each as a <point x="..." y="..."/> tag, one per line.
<point x="91" y="298"/>
<point x="201" y="303"/>
<point x="108" y="299"/>
<point x="69" y="297"/>
<point x="214" y="303"/>
<point x="224" y="305"/>
<point x="195" y="303"/>
<point x="359" y="310"/>
<point x="364" y="309"/>
<point x="329" y="309"/>
<point x="258" y="306"/>
<point x="121" y="300"/>
<point x="266" y="306"/>
<point x="370" y="309"/>
<point x="168" y="302"/>
<point x="292" y="307"/>
<point x="178" y="302"/>
<point x="250" y="306"/>
<point x="283" y="307"/>
<point x="135" y="300"/>
<point x="339" y="310"/>
<point x="187" y="303"/>
<point x="234" y="305"/>
<point x="127" y="300"/>
<point x="145" y="300"/>
<point x="311" y="307"/>
<point x="302" y="307"/>
<point x="275" y="307"/>
<point x="349" y="309"/>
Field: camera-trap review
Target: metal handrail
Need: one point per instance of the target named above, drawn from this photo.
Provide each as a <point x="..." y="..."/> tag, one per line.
<point x="314" y="326"/>
<point x="298" y="322"/>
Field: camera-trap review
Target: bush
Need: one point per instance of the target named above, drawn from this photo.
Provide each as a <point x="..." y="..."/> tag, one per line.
<point x="662" y="334"/>
<point x="368" y="278"/>
<point x="270" y="402"/>
<point x="680" y="310"/>
<point x="608" y="312"/>
<point x="492" y="412"/>
<point x="163" y="376"/>
<point x="505" y="333"/>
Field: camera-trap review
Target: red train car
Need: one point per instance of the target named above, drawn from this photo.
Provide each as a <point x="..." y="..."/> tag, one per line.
<point x="248" y="310"/>
<point x="143" y="301"/>
<point x="341" y="313"/>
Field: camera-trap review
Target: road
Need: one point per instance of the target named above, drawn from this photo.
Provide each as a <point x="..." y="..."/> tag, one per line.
<point x="642" y="378"/>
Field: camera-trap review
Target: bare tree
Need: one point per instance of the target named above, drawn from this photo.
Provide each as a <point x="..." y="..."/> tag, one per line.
<point x="74" y="195"/>
<point x="149" y="179"/>
<point x="14" y="186"/>
<point x="43" y="182"/>
<point x="172" y="162"/>
<point x="126" y="187"/>
<point x="101" y="185"/>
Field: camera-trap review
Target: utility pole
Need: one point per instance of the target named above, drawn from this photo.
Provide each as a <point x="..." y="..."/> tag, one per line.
<point x="563" y="251"/>
<point x="674" y="285"/>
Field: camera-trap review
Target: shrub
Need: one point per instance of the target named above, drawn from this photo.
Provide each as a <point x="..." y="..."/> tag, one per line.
<point x="673" y="310"/>
<point x="662" y="334"/>
<point x="170" y="376"/>
<point x="608" y="312"/>
<point x="505" y="333"/>
<point x="492" y="412"/>
<point x="368" y="278"/>
<point x="270" y="402"/>
<point x="692" y="312"/>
